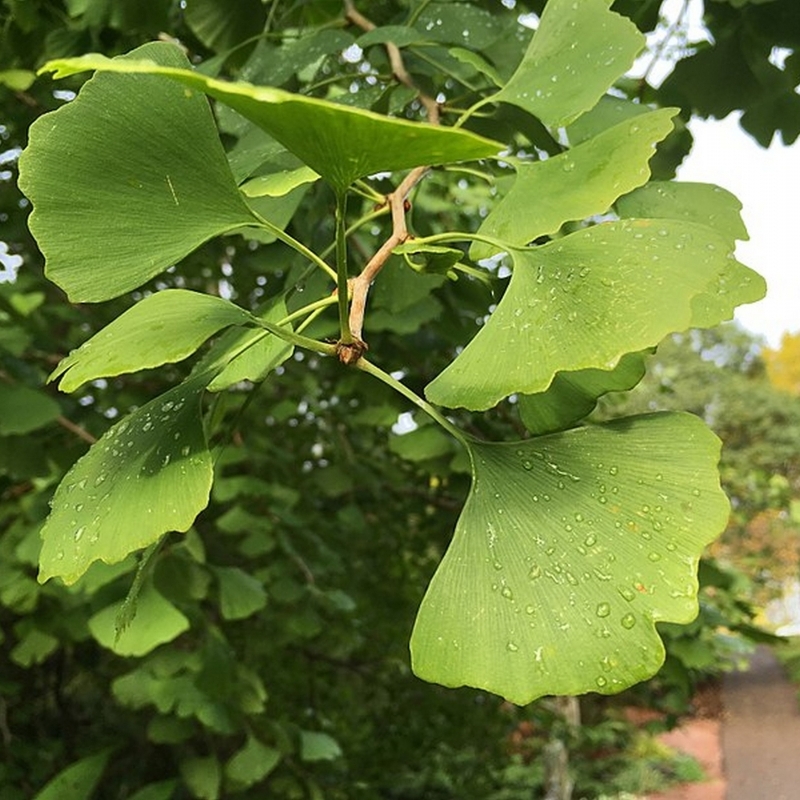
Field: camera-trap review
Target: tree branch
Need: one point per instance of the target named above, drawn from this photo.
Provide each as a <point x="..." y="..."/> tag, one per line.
<point x="396" y="200"/>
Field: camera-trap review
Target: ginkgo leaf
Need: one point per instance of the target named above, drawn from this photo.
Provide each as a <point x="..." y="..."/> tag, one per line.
<point x="584" y="181"/>
<point x="155" y="622"/>
<point x="117" y="194"/>
<point x="160" y="329"/>
<point x="149" y="474"/>
<point x="568" y="551"/>
<point x="577" y="52"/>
<point x="583" y="301"/>
<point x="573" y="395"/>
<point x="710" y="205"/>
<point x="339" y="142"/>
<point x="703" y="203"/>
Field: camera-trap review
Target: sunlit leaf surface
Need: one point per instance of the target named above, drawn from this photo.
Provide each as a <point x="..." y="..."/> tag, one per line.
<point x="568" y="551"/>
<point x="584" y="301"/>
<point x="162" y="328"/>
<point x="339" y="142"/>
<point x="127" y="179"/>
<point x="578" y="51"/>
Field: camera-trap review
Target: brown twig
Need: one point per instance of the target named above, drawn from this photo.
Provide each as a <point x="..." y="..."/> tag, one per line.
<point x="81" y="433"/>
<point x="396" y="200"/>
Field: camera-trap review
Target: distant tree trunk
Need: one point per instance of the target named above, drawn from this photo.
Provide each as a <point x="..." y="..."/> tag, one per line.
<point x="558" y="782"/>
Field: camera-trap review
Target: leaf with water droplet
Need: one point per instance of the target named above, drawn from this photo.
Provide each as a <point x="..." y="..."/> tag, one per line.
<point x="339" y="142"/>
<point x="607" y="44"/>
<point x="588" y="602"/>
<point x="543" y="197"/>
<point x="587" y="300"/>
<point x="702" y="203"/>
<point x="160" y="329"/>
<point x="156" y="485"/>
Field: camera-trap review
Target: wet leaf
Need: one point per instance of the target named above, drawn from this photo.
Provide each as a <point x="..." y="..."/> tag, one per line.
<point x="568" y="551"/>
<point x="149" y="474"/>
<point x="577" y="52"/>
<point x="702" y="203"/>
<point x="584" y="301"/>
<point x="160" y="329"/>
<point x="338" y="142"/>
<point x="139" y="198"/>
<point x="577" y="184"/>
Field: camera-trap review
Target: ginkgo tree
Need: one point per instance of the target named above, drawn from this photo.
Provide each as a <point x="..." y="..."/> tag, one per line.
<point x="574" y="540"/>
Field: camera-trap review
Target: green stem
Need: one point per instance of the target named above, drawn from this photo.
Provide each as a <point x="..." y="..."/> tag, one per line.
<point x="341" y="267"/>
<point x="472" y="109"/>
<point x="377" y="372"/>
<point x="290" y="336"/>
<point x="316" y="307"/>
<point x="281" y="234"/>
<point x="463" y="236"/>
<point x="368" y="217"/>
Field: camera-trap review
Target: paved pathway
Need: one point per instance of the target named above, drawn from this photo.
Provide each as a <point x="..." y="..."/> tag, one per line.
<point x="761" y="732"/>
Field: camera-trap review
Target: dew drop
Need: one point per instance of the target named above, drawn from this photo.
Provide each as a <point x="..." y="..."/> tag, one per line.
<point x="527" y="464"/>
<point x="612" y="470"/>
<point x="627" y="594"/>
<point x="530" y="609"/>
<point x="601" y="681"/>
<point x="535" y="572"/>
<point x="185" y="450"/>
<point x="512" y="647"/>
<point x="507" y="593"/>
<point x="78" y="535"/>
<point x="654" y="556"/>
<point x="628" y="621"/>
<point x="603" y="610"/>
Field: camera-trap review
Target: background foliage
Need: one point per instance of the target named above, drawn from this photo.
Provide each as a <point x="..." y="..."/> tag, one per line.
<point x="289" y="604"/>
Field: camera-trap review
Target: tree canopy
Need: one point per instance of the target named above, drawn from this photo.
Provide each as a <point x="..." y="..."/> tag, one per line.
<point x="328" y="292"/>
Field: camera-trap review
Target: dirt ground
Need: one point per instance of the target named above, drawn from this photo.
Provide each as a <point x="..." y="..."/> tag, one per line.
<point x="751" y="750"/>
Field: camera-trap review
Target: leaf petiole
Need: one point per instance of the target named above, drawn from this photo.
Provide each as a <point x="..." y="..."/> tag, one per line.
<point x="371" y="369"/>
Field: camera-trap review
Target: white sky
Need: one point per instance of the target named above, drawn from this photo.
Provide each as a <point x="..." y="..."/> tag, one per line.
<point x="767" y="182"/>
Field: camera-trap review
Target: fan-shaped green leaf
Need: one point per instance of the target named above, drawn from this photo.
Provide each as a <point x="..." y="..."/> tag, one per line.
<point x="579" y="183"/>
<point x="155" y="622"/>
<point x="149" y="474"/>
<point x="577" y="52"/>
<point x="339" y="142"/>
<point x="163" y="328"/>
<point x="240" y="594"/>
<point x="573" y="395"/>
<point x="252" y="763"/>
<point x="117" y="194"/>
<point x="703" y="203"/>
<point x="583" y="301"/>
<point x="568" y="551"/>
